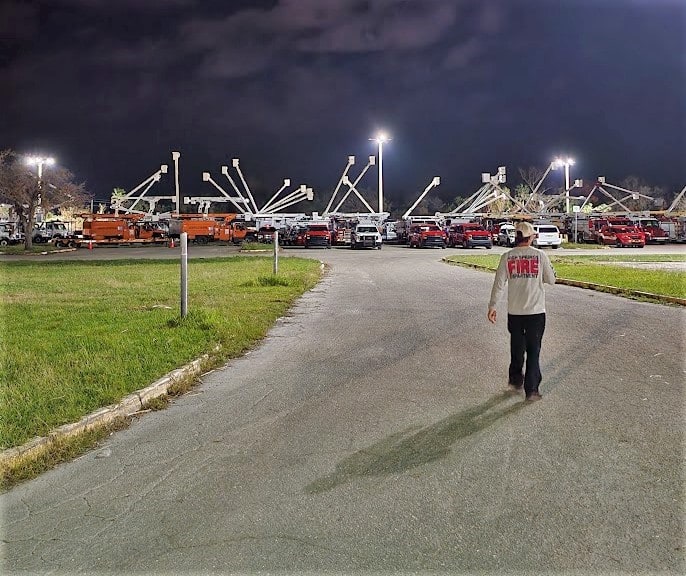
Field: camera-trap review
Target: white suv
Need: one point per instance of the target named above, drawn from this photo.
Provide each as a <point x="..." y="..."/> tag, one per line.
<point x="547" y="235"/>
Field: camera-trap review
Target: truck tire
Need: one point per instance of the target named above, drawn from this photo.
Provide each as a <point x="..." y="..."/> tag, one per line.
<point x="4" y="242"/>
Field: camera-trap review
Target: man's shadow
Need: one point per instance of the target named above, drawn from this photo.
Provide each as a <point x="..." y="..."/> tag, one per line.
<point x="400" y="452"/>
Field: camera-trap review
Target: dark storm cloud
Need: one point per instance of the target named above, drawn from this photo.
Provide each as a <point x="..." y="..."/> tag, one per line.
<point x="464" y="85"/>
<point x="251" y="41"/>
<point x="17" y="22"/>
<point x="125" y="5"/>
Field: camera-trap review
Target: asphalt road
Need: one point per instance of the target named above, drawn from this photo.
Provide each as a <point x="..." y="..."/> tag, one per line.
<point x="370" y="434"/>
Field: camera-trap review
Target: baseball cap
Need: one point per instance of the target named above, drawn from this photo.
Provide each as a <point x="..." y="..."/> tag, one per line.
<point x="525" y="229"/>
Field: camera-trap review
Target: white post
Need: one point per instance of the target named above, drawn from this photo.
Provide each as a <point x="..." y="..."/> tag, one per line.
<point x="380" y="175"/>
<point x="276" y="252"/>
<point x="567" y="187"/>
<point x="184" y="274"/>
<point x="175" y="157"/>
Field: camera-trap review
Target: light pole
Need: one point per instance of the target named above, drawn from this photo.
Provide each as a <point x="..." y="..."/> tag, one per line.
<point x="380" y="139"/>
<point x="566" y="162"/>
<point x="40" y="161"/>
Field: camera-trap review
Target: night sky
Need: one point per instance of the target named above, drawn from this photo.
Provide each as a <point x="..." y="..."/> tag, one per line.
<point x="292" y="87"/>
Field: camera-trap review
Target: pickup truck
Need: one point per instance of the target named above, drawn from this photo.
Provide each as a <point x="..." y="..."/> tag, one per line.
<point x="426" y="236"/>
<point x="469" y="235"/>
<point x="318" y="234"/>
<point x="622" y="236"/>
<point x="8" y="235"/>
<point x="47" y="231"/>
<point x="365" y="236"/>
<point x="506" y="234"/>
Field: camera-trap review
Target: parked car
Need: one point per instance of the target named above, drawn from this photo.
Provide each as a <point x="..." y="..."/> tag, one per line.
<point x="47" y="231"/>
<point x="365" y="235"/>
<point x="8" y="235"/>
<point x="506" y="234"/>
<point x="294" y="236"/>
<point x="547" y="235"/>
<point x="318" y="234"/>
<point x="426" y="236"/>
<point x="469" y="235"/>
<point x="622" y="236"/>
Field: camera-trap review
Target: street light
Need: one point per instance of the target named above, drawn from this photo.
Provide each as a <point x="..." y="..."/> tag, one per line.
<point x="566" y="162"/>
<point x="380" y="139"/>
<point x="40" y="161"/>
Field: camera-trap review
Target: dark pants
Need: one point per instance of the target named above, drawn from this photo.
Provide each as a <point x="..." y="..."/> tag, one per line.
<point x="526" y="335"/>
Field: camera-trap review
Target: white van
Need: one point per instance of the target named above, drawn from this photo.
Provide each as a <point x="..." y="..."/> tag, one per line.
<point x="547" y="235"/>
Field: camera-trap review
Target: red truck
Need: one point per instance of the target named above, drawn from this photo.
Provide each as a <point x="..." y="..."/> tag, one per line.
<point x="588" y="227"/>
<point x="469" y="235"/>
<point x="621" y="236"/>
<point x="426" y="236"/>
<point x="318" y="234"/>
<point x="651" y="229"/>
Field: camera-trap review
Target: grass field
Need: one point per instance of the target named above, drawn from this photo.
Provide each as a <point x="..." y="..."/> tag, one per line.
<point x="606" y="270"/>
<point x="78" y="336"/>
<point x="81" y="335"/>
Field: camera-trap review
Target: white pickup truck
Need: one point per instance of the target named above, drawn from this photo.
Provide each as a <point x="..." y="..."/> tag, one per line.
<point x="365" y="235"/>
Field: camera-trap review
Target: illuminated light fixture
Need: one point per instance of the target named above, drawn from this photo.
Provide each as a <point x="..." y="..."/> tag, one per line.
<point x="381" y="138"/>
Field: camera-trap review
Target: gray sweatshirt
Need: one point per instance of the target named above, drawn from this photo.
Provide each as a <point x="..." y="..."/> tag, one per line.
<point x="524" y="269"/>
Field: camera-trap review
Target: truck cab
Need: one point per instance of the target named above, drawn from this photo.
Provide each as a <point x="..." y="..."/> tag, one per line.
<point x="365" y="235"/>
<point x="506" y="234"/>
<point x="8" y="234"/>
<point x="426" y="236"/>
<point x="654" y="233"/>
<point x="469" y="235"/>
<point x="622" y="236"/>
<point x="318" y="234"/>
<point x="47" y="231"/>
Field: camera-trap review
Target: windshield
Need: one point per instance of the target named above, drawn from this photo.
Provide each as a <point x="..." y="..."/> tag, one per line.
<point x="548" y="229"/>
<point x="366" y="229"/>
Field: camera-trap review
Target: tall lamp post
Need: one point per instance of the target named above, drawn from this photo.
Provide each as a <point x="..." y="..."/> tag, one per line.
<point x="566" y="162"/>
<point x="380" y="139"/>
<point x="40" y="161"/>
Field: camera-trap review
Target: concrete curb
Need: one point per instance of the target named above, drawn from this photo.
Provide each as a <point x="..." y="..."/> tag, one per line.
<point x="43" y="253"/>
<point x="590" y="286"/>
<point x="127" y="407"/>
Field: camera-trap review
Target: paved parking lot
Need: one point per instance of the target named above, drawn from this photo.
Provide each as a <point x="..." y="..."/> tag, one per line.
<point x="370" y="434"/>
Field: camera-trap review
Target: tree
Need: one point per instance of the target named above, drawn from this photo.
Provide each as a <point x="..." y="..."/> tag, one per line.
<point x="531" y="177"/>
<point x="635" y="184"/>
<point x="21" y="188"/>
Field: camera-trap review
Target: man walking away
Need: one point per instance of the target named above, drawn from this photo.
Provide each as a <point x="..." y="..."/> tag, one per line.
<point x="525" y="270"/>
